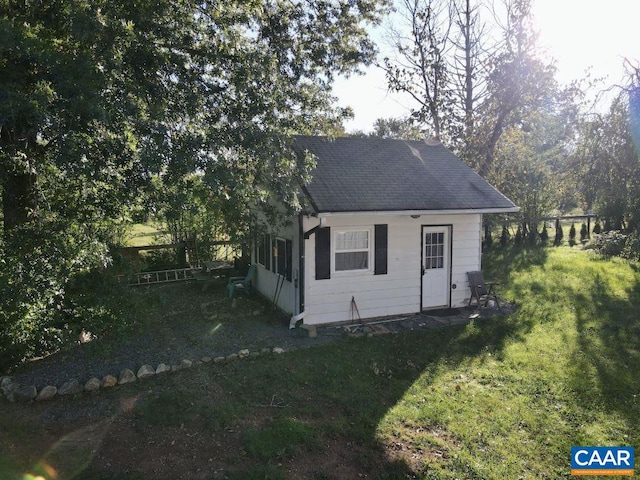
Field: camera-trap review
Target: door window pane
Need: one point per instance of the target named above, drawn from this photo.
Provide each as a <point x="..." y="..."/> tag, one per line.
<point x="434" y="250"/>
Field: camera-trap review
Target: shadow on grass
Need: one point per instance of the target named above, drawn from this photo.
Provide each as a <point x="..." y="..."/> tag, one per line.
<point x="312" y="413"/>
<point x="502" y="260"/>
<point x="333" y="400"/>
<point x="607" y="360"/>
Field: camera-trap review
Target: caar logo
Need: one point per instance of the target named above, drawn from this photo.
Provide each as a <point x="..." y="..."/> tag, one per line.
<point x="602" y="461"/>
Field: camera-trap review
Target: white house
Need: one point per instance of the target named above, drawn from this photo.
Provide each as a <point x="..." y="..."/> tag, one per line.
<point x="392" y="229"/>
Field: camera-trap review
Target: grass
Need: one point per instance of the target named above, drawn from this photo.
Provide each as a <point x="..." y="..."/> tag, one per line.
<point x="143" y="234"/>
<point x="499" y="398"/>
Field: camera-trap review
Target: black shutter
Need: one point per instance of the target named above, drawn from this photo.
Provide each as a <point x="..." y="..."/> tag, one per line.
<point x="323" y="253"/>
<point x="380" y="244"/>
<point x="289" y="258"/>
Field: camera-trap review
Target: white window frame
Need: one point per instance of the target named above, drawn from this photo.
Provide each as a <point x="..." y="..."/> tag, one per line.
<point x="334" y="249"/>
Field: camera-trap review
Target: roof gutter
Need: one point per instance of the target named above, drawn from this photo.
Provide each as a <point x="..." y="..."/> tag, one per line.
<point x="464" y="211"/>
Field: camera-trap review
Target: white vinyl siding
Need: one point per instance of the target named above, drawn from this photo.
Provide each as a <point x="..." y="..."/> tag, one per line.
<point x="270" y="283"/>
<point x="399" y="291"/>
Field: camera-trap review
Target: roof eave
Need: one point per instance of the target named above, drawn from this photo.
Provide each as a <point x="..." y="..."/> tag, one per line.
<point x="462" y="211"/>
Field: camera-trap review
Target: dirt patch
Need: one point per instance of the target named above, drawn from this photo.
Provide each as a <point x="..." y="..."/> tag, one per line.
<point x="418" y="448"/>
<point x="124" y="447"/>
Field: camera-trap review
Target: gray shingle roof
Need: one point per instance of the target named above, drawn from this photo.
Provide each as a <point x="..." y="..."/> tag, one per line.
<point x="372" y="174"/>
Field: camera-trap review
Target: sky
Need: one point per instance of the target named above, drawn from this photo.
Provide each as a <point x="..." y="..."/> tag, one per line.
<point x="578" y="34"/>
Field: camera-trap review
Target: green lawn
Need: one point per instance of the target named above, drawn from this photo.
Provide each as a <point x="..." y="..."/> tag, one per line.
<point x="514" y="395"/>
<point x="141" y="235"/>
<point x="496" y="399"/>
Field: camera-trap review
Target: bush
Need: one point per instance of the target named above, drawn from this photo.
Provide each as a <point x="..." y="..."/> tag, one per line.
<point x="52" y="287"/>
<point x="631" y="248"/>
<point x="504" y="236"/>
<point x="532" y="237"/>
<point x="544" y="234"/>
<point x="36" y="268"/>
<point x="572" y="234"/>
<point x="597" y="229"/>
<point x="559" y="234"/>
<point x="518" y="238"/>
<point x="584" y="233"/>
<point x="154" y="260"/>
<point x="610" y="243"/>
<point x="488" y="238"/>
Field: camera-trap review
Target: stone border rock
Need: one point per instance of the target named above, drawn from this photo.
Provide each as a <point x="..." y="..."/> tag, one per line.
<point x="20" y="393"/>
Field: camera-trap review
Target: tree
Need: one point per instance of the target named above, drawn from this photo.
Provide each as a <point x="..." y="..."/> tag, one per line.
<point x="605" y="165"/>
<point x="544" y="234"/>
<point x="584" y="233"/>
<point x="469" y="62"/>
<point x="420" y="69"/>
<point x="572" y="234"/>
<point x="97" y="98"/>
<point x="471" y="82"/>
<point x="110" y="91"/>
<point x="518" y="83"/>
<point x="504" y="236"/>
<point x="557" y="241"/>
<point x="399" y="128"/>
<point x="522" y="172"/>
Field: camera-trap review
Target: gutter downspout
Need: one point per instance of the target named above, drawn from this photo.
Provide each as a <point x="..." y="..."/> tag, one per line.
<point x="301" y="276"/>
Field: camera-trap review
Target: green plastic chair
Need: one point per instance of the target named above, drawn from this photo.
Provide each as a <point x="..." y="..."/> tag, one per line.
<point x="241" y="284"/>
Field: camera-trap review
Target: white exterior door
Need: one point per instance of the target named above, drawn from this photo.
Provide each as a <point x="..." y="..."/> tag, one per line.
<point x="436" y="261"/>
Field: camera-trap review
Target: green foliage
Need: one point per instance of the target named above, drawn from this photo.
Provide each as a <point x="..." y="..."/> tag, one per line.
<point x="584" y="233"/>
<point x="616" y="244"/>
<point x="501" y="397"/>
<point x="37" y="267"/>
<point x="52" y="287"/>
<point x="572" y="234"/>
<point x="523" y="170"/>
<point x="605" y="164"/>
<point x="488" y="237"/>
<point x="544" y="234"/>
<point x="557" y="241"/>
<point x="504" y="236"/>
<point x="532" y="237"/>
<point x="517" y="240"/>
<point x="631" y="248"/>
<point x="399" y="128"/>
<point x="597" y="229"/>
<point x="112" y="109"/>
<point x="154" y="260"/>
<point x="609" y="243"/>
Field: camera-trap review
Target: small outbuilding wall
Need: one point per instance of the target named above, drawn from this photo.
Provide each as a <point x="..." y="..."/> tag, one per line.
<point x="349" y="295"/>
<point x="276" y="254"/>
